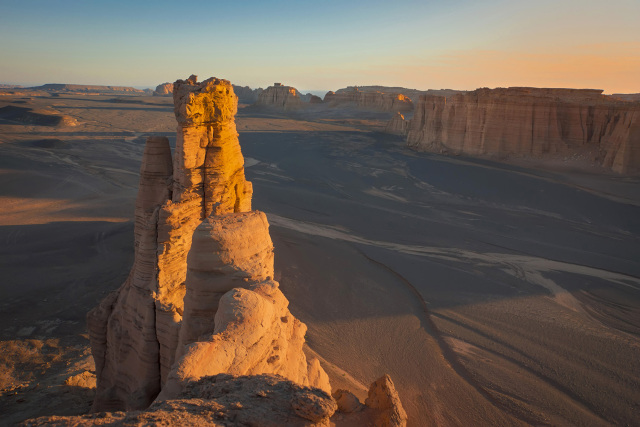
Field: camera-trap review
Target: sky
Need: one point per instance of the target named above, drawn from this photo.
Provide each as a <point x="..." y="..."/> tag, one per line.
<point x="324" y="44"/>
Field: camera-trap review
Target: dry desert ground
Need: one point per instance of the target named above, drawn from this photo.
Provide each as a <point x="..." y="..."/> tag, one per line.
<point x="493" y="294"/>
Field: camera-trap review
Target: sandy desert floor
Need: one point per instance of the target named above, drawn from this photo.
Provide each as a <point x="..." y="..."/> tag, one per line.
<point x="492" y="294"/>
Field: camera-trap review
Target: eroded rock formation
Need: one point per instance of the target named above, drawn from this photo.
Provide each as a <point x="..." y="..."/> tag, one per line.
<point x="374" y="100"/>
<point x="531" y="122"/>
<point x="280" y="97"/>
<point x="200" y="306"/>
<point x="134" y="331"/>
<point x="164" y="89"/>
<point x="246" y="95"/>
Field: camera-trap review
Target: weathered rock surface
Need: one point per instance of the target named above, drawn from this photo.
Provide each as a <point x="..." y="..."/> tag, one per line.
<point x="280" y="97"/>
<point x="531" y="122"/>
<point x="380" y="101"/>
<point x="134" y="331"/>
<point x="397" y="125"/>
<point x="222" y="400"/>
<point x="164" y="89"/>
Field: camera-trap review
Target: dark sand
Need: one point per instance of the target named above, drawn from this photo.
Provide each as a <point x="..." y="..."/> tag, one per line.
<point x="491" y="293"/>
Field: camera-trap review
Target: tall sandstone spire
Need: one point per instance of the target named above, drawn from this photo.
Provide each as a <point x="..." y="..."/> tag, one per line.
<point x="200" y="300"/>
<point x="134" y="332"/>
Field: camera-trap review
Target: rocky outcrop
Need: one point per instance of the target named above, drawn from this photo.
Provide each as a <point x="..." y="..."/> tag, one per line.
<point x="531" y="122"/>
<point x="397" y="125"/>
<point x="235" y="318"/>
<point x="222" y="400"/>
<point x="134" y="332"/>
<point x="280" y="97"/>
<point x="379" y="101"/>
<point x="164" y="89"/>
<point x="200" y="306"/>
<point x="246" y="95"/>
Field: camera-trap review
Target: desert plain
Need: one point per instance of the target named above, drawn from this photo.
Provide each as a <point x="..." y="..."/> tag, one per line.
<point x="492" y="293"/>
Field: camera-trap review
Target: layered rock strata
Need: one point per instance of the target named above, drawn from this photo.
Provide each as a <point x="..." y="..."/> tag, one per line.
<point x="280" y="97"/>
<point x="531" y="122"/>
<point x="134" y="332"/>
<point x="380" y="101"/>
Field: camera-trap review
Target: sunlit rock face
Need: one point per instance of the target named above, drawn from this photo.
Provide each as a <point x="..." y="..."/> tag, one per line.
<point x="164" y="89"/>
<point x="200" y="299"/>
<point x="134" y="331"/>
<point x="222" y="400"/>
<point x="369" y="100"/>
<point x="531" y="122"/>
<point x="280" y="97"/>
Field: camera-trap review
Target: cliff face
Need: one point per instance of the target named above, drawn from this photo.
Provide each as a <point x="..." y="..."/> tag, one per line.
<point x="393" y="102"/>
<point x="280" y="97"/>
<point x="531" y="122"/>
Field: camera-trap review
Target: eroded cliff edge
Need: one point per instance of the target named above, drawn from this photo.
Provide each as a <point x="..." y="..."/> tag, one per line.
<point x="200" y="300"/>
<point x="531" y="123"/>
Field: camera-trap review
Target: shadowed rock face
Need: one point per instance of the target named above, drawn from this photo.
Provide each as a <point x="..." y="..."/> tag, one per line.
<point x="397" y="125"/>
<point x="530" y="122"/>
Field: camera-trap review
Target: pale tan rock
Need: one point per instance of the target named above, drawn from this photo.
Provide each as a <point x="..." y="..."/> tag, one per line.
<point x="236" y="320"/>
<point x="383" y="399"/>
<point x="227" y="251"/>
<point x="134" y="332"/>
<point x="164" y="89"/>
<point x="530" y="123"/>
<point x="280" y="97"/>
<point x="370" y="100"/>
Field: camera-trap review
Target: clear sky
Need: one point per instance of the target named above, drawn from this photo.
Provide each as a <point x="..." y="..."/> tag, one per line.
<point x="325" y="44"/>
